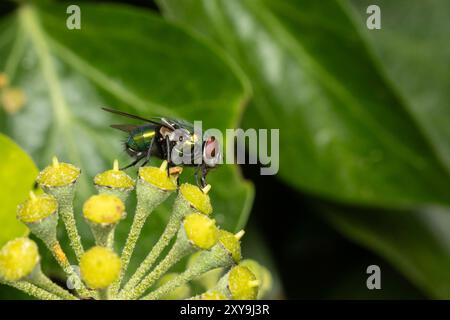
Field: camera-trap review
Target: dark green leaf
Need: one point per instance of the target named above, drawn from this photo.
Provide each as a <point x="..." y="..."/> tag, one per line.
<point x="364" y="122"/>
<point x="345" y="133"/>
<point x="414" y="55"/>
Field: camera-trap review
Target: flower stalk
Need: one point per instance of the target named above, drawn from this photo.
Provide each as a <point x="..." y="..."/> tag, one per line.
<point x="40" y="215"/>
<point x="198" y="233"/>
<point x="189" y="198"/>
<point x="33" y="290"/>
<point x="20" y="262"/>
<point x="225" y="253"/>
<point x="59" y="180"/>
<point x="152" y="188"/>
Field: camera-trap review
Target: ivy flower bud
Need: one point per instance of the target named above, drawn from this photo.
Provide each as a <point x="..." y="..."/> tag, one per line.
<point x="226" y="252"/>
<point x="37" y="208"/>
<point x="102" y="213"/>
<point x="189" y="197"/>
<point x="180" y="293"/>
<point x="39" y="214"/>
<point x="99" y="267"/>
<point x="114" y="182"/>
<point x="58" y="174"/>
<point x="103" y="209"/>
<point x="197" y="199"/>
<point x="18" y="258"/>
<point x="200" y="230"/>
<point x="152" y="188"/>
<point x="157" y="177"/>
<point x="262" y="274"/>
<point x="59" y="180"/>
<point x="241" y="283"/>
<point x="231" y="242"/>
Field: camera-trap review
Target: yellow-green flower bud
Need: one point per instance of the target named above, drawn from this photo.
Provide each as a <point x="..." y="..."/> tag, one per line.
<point x="99" y="267"/>
<point x="59" y="180"/>
<point x="37" y="208"/>
<point x="58" y="174"/>
<point x="231" y="242"/>
<point x="114" y="179"/>
<point x="152" y="188"/>
<point x="225" y="253"/>
<point x="39" y="214"/>
<point x="200" y="230"/>
<point x="180" y="293"/>
<point x="262" y="274"/>
<point x="196" y="198"/>
<point x="157" y="177"/>
<point x="104" y="209"/>
<point x="242" y="283"/>
<point x="18" y="258"/>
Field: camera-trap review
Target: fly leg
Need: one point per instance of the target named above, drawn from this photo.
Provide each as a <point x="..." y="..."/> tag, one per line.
<point x="168" y="155"/>
<point x="197" y="169"/>
<point x="204" y="173"/>
<point x="149" y="152"/>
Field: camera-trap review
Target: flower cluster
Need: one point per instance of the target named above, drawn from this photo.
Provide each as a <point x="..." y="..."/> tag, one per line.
<point x="215" y="254"/>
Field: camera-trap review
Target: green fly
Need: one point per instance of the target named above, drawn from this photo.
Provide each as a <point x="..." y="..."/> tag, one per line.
<point x="169" y="139"/>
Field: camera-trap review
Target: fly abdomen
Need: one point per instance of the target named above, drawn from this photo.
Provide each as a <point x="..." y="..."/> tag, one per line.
<point x="142" y="138"/>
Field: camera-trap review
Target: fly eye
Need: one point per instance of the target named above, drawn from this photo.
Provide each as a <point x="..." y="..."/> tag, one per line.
<point x="211" y="152"/>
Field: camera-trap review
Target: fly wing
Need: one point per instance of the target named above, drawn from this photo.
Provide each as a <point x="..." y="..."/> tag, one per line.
<point x="169" y="123"/>
<point x="173" y="124"/>
<point x="132" y="116"/>
<point x="124" y="127"/>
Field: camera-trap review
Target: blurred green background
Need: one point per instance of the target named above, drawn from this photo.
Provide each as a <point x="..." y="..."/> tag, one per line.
<point x="364" y="121"/>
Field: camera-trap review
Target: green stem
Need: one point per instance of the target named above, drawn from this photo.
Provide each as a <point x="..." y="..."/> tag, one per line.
<point x="65" y="203"/>
<point x="181" y="248"/>
<point x="110" y="241"/>
<point x="61" y="258"/>
<point x="180" y="208"/>
<point x="103" y="294"/>
<point x="217" y="257"/>
<point x="103" y="234"/>
<point x="148" y="198"/>
<point x="39" y="279"/>
<point x="33" y="290"/>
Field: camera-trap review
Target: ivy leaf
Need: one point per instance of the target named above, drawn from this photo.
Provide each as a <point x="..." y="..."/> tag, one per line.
<point x="418" y="45"/>
<point x="150" y="68"/>
<point x="17" y="173"/>
<point x="345" y="134"/>
<point x="363" y="115"/>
